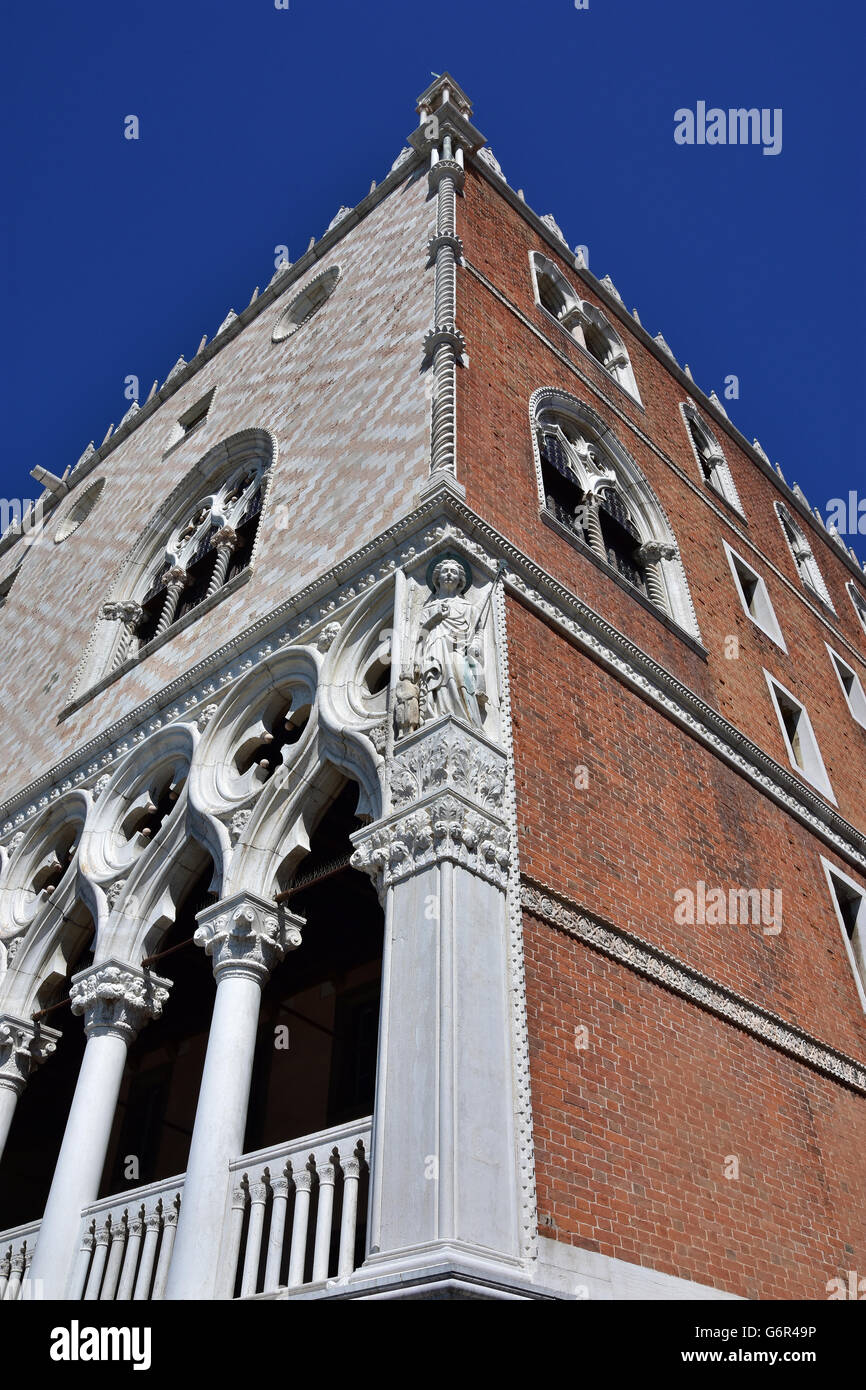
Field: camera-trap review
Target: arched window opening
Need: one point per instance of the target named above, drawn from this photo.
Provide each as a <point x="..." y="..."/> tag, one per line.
<point x="586" y="323"/>
<point x="808" y="568"/>
<point x="80" y="511"/>
<point x="159" y="1092"/>
<point x="153" y="807"/>
<point x="712" y="462"/>
<point x="315" y="1061"/>
<point x="40" y="1116"/>
<point x="594" y="489"/>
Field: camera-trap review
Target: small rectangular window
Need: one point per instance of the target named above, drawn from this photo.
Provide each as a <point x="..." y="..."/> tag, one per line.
<point x="859" y="603"/>
<point x="849" y="901"/>
<point x="755" y="597"/>
<point x="800" y="741"/>
<point x="852" y="686"/>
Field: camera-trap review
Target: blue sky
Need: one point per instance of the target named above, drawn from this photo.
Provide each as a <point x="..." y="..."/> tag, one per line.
<point x="257" y="123"/>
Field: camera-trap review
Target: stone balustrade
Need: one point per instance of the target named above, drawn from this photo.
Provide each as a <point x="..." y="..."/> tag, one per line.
<point x="127" y="1242"/>
<point x="295" y="1209"/>
<point x="16" y="1253"/>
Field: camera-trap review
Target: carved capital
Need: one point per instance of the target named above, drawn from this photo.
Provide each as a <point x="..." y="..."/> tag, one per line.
<point x="447" y="754"/>
<point x="247" y="935"/>
<point x="445" y="168"/>
<point x="117" y="998"/>
<point x="23" y="1045"/>
<point x="226" y="538"/>
<point x="444" y="828"/>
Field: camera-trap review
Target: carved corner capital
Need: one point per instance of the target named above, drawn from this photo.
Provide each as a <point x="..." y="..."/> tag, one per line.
<point x="247" y="935"/>
<point x="23" y="1046"/>
<point x="117" y="998"/>
<point x="448" y="754"/>
<point x="443" y="828"/>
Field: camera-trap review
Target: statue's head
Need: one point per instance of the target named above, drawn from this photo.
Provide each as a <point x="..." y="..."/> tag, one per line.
<point x="450" y="576"/>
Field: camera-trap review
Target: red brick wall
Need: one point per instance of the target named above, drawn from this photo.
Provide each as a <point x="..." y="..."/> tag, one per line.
<point x="507" y="363"/>
<point x="633" y="1131"/>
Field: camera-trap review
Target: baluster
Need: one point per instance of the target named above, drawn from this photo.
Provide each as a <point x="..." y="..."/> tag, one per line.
<point x="148" y="1255"/>
<point x="280" y="1189"/>
<point x="349" y="1217"/>
<point x="303" y="1182"/>
<point x="100" y="1254"/>
<point x="236" y="1226"/>
<point x="15" y="1273"/>
<point x="115" y="1259"/>
<point x="130" y="1259"/>
<point x="82" y="1267"/>
<point x="26" y="1289"/>
<point x="5" y="1266"/>
<point x="258" y="1197"/>
<point x="169" y="1231"/>
<point x="324" y="1218"/>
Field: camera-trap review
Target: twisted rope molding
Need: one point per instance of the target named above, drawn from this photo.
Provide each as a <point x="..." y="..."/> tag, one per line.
<point x="666" y="969"/>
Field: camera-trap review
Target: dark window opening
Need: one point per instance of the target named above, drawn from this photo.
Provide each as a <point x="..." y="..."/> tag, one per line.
<point x="849" y="902"/>
<point x="40" y="1116"/>
<point x="621" y="540"/>
<point x="158" y="1096"/>
<point x="315" y="1061"/>
<point x="563" y="496"/>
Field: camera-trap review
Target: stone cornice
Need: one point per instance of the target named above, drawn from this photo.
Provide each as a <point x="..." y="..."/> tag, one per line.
<point x="443" y="518"/>
<point x="615" y="307"/>
<point x="666" y="969"/>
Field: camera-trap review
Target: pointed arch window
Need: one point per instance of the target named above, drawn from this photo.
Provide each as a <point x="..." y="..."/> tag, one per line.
<point x="807" y="566"/>
<point x="714" y="467"/>
<point x="859" y="602"/>
<point x="591" y="488"/>
<point x="584" y="322"/>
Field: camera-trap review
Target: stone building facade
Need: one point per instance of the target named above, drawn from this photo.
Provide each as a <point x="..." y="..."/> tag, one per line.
<point x="434" y="656"/>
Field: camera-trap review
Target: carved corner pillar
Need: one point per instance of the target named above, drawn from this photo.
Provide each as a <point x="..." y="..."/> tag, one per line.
<point x="116" y="1000"/>
<point x="23" y="1046"/>
<point x="444" y="1178"/>
<point x="245" y="936"/>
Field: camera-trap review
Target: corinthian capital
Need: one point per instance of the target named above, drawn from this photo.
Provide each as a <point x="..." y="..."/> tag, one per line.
<point x="247" y="935"/>
<point x="443" y="828"/>
<point x="23" y="1045"/>
<point x="117" y="998"/>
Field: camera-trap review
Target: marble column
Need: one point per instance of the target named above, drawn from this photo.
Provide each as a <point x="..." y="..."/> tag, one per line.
<point x="246" y="936"/>
<point x="116" y="1000"/>
<point x="23" y="1045"/>
<point x="444" y="1179"/>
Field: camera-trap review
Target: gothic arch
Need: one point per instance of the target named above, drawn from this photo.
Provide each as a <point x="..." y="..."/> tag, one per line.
<point x="171" y="538"/>
<point x="808" y="568"/>
<point x="599" y="466"/>
<point x="710" y="456"/>
<point x="43" y="902"/>
<point x="588" y="325"/>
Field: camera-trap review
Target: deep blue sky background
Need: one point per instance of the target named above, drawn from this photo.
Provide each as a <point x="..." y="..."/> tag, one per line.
<point x="257" y="123"/>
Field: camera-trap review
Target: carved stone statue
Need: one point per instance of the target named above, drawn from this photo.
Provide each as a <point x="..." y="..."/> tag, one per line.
<point x="450" y="652"/>
<point x="407" y="698"/>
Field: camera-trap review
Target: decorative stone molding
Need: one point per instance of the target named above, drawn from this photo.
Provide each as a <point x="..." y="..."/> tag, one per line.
<point x="246" y="935"/>
<point x="117" y="998"/>
<point x="660" y="965"/>
<point x="206" y="716"/>
<point x="238" y="823"/>
<point x="444" y="239"/>
<point x="23" y="1046"/>
<point x="553" y="226"/>
<point x="446" y="755"/>
<point x="486" y="155"/>
<point x="445" y="828"/>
